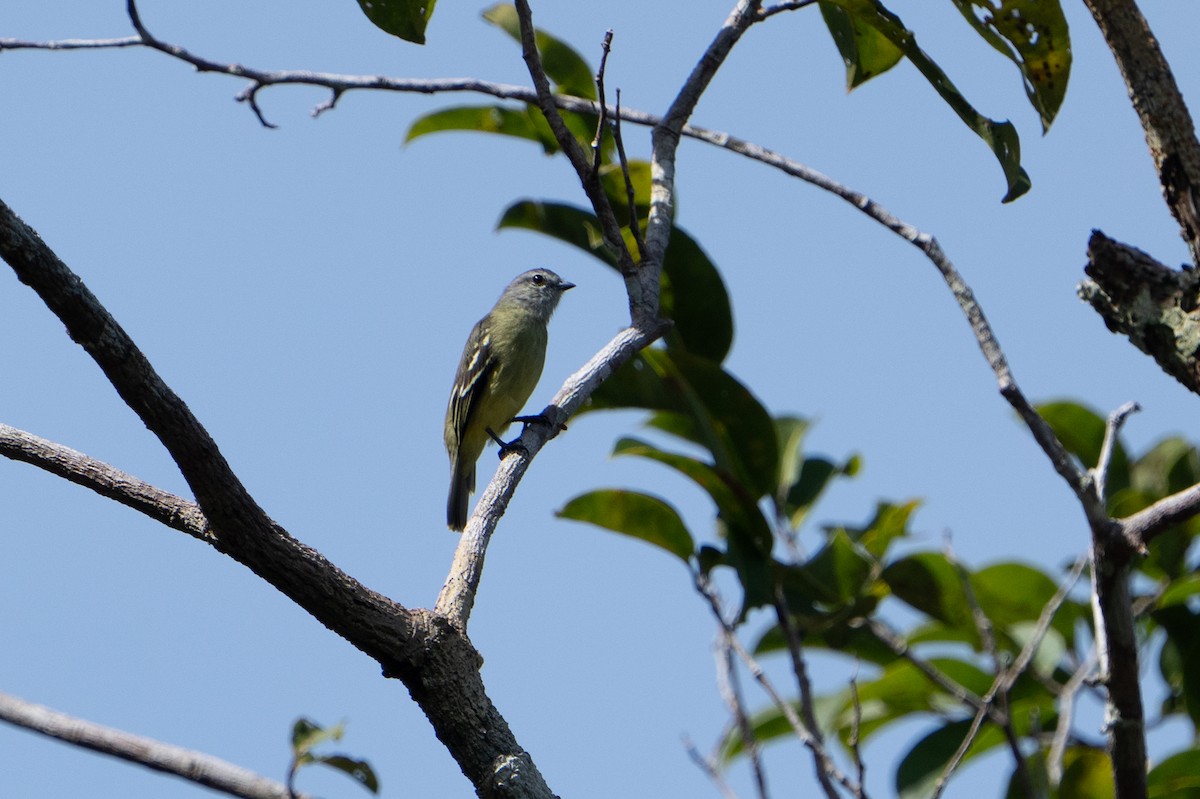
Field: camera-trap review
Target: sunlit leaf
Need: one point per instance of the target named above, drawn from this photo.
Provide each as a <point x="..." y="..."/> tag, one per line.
<point x="866" y="51"/>
<point x="1013" y="593"/>
<point x="1000" y="137"/>
<point x="307" y="734"/>
<point x="406" y="19"/>
<point x="1177" y="777"/>
<point x="565" y="67"/>
<point x="1050" y="651"/>
<point x="902" y="690"/>
<point x="1087" y="774"/>
<point x="1033" y="35"/>
<point x="519" y="122"/>
<point x="636" y="515"/>
<point x="890" y="523"/>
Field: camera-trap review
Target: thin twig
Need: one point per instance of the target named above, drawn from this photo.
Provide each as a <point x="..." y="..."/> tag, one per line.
<point x="792" y="5"/>
<point x="731" y="693"/>
<point x="1066" y="710"/>
<point x="602" y="119"/>
<point x="709" y="768"/>
<point x="1112" y="429"/>
<point x="803" y="684"/>
<point x="828" y="769"/>
<point x="635" y="223"/>
<point x="856" y="723"/>
<point x="900" y="648"/>
<point x="195" y="767"/>
<point x="589" y="179"/>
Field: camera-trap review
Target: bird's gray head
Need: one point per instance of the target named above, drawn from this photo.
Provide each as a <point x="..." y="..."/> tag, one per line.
<point x="537" y="291"/>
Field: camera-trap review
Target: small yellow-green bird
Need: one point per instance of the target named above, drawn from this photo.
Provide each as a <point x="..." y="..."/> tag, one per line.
<point x="500" y="367"/>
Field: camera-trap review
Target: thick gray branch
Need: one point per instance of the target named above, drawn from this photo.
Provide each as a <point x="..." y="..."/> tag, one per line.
<point x="433" y="659"/>
<point x="1151" y="304"/>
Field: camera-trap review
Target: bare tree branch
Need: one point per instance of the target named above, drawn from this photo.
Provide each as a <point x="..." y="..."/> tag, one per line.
<point x="435" y="660"/>
<point x="1116" y="420"/>
<point x="197" y="767"/>
<point x="1170" y="132"/>
<point x="710" y="769"/>
<point x="731" y="693"/>
<point x="827" y="770"/>
<point x="162" y="506"/>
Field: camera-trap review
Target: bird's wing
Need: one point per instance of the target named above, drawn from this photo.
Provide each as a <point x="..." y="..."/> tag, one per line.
<point x="474" y="370"/>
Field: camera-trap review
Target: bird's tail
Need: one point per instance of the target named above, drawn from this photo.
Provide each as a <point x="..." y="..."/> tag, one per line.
<point x="462" y="483"/>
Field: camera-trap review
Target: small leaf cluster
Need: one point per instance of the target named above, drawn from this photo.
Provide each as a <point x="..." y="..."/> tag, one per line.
<point x="307" y="736"/>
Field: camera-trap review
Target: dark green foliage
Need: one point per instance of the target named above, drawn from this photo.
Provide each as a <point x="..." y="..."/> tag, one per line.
<point x="405" y="19"/>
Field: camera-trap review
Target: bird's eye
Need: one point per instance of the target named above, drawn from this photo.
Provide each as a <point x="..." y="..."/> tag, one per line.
<point x="538" y="279"/>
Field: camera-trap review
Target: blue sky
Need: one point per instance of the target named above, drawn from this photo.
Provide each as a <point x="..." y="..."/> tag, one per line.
<point x="307" y="291"/>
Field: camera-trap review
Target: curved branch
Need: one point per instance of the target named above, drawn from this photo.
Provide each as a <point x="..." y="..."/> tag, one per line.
<point x="192" y="766"/>
<point x="435" y="661"/>
<point x="162" y="506"/>
<point x="1170" y="132"/>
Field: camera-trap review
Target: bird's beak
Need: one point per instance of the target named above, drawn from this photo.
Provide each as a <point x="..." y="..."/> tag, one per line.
<point x="564" y="286"/>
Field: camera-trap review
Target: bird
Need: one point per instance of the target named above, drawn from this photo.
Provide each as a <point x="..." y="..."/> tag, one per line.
<point x="500" y="366"/>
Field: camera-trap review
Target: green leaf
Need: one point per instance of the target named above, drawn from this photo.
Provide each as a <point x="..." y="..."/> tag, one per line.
<point x="564" y="222"/>
<point x="889" y="524"/>
<point x="838" y="570"/>
<point x="1033" y="35"/>
<point x="1177" y="777"/>
<point x="771" y="725"/>
<point x="693" y="293"/>
<point x="866" y="51"/>
<point x="929" y="583"/>
<point x="802" y="481"/>
<point x="612" y="178"/>
<point x="1180" y="591"/>
<point x="1011" y="594"/>
<point x="1081" y="431"/>
<point x="403" y="18"/>
<point x="636" y="515"/>
<point x="1087" y="774"/>
<point x="358" y="770"/>
<point x="695" y="298"/>
<point x="923" y="764"/>
<point x="307" y="734"/>
<point x="1179" y="661"/>
<point x="1169" y="466"/>
<point x="902" y="690"/>
<point x="737" y="510"/>
<point x="565" y="67"/>
<point x="707" y="406"/>
<point x="1050" y="651"/>
<point x="521" y="123"/>
<point x="1000" y="137"/>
